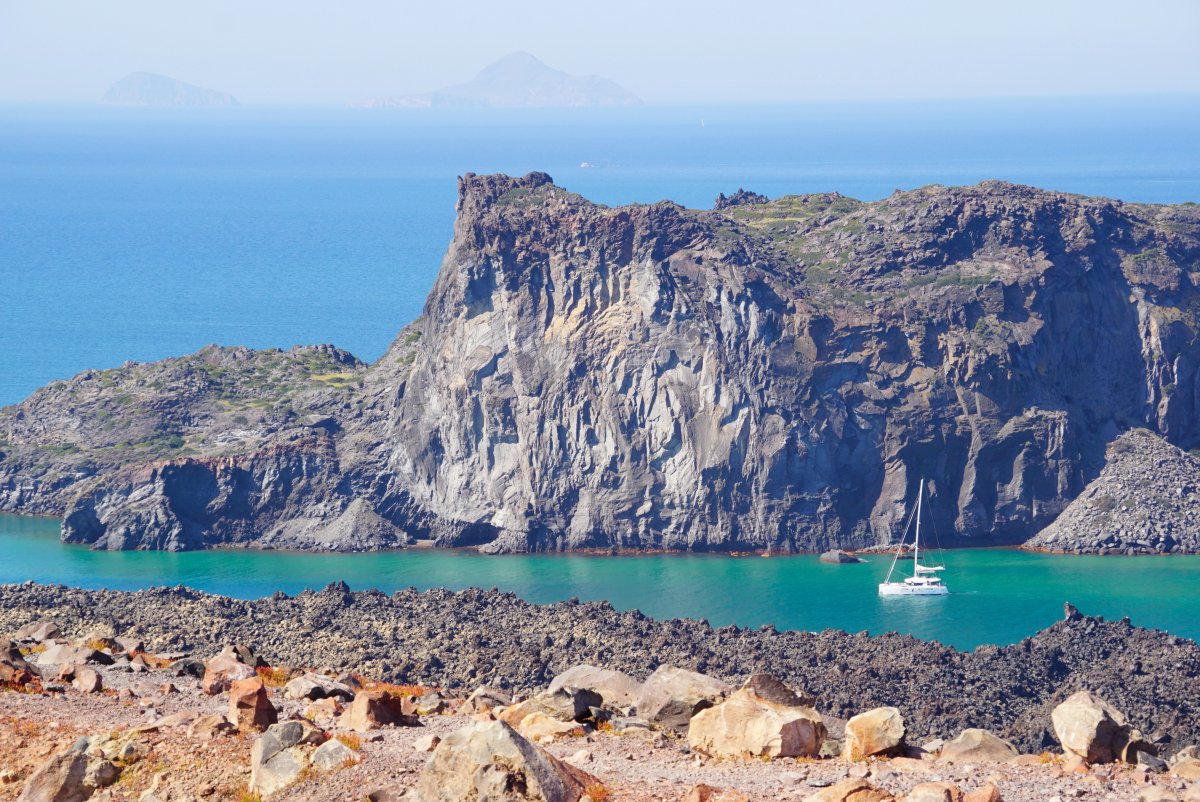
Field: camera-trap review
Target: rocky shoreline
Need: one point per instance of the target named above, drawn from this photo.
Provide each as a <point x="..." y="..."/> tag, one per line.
<point x="97" y="710"/>
<point x="461" y="640"/>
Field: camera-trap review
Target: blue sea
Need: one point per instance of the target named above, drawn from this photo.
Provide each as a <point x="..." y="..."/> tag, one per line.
<point x="130" y="234"/>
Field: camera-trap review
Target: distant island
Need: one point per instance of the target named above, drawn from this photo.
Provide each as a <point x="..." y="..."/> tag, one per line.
<point x="519" y="80"/>
<point x="149" y="90"/>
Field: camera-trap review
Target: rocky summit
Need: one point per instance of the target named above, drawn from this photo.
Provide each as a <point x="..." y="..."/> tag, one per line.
<point x="771" y="374"/>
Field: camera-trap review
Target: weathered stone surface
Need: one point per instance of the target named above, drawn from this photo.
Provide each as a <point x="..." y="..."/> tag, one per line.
<point x="250" y="705"/>
<point x="70" y="776"/>
<point x="876" y="732"/>
<point x="1188" y="769"/>
<point x="775" y="690"/>
<point x="988" y="792"/>
<point x="541" y="728"/>
<point x="276" y="759"/>
<point x="82" y="678"/>
<point x="617" y="690"/>
<point x="974" y="745"/>
<point x="373" y="709"/>
<point x="671" y="696"/>
<point x="746" y="725"/>
<point x="222" y="671"/>
<point x="483" y="699"/>
<point x="1091" y="729"/>
<point x="852" y="790"/>
<point x="324" y="711"/>
<point x="205" y="728"/>
<point x="934" y="792"/>
<point x="14" y="669"/>
<point x="38" y="631"/>
<point x="490" y="760"/>
<point x="708" y="793"/>
<point x="315" y="686"/>
<point x="333" y="755"/>
<point x="563" y="703"/>
<point x="58" y="654"/>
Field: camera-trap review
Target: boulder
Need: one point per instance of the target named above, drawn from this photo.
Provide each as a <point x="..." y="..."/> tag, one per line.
<point x="934" y="792"/>
<point x="430" y="704"/>
<point x="82" y="678"/>
<point x="208" y="727"/>
<point x="243" y="654"/>
<point x="839" y="557"/>
<point x="249" y="705"/>
<point x="315" y="686"/>
<point x="852" y="790"/>
<point x="333" y="755"/>
<point x="426" y="743"/>
<point x="984" y="793"/>
<point x="38" y="631"/>
<point x="617" y="691"/>
<point x="564" y="703"/>
<point x="187" y="667"/>
<point x="62" y="653"/>
<point x="131" y="644"/>
<point x="14" y="670"/>
<point x="222" y="671"/>
<point x="875" y="732"/>
<point x="774" y="690"/>
<point x="1095" y="732"/>
<point x="671" y="696"/>
<point x="379" y="708"/>
<point x="70" y="776"/>
<point x="323" y="711"/>
<point x="540" y="728"/>
<point x="746" y="724"/>
<point x="277" y="759"/>
<point x="1187" y="769"/>
<point x="490" y="760"/>
<point x="707" y="793"/>
<point x="483" y="699"/>
<point x="977" y="746"/>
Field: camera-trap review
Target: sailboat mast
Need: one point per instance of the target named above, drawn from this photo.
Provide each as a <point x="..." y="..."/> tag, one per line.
<point x="917" y="538"/>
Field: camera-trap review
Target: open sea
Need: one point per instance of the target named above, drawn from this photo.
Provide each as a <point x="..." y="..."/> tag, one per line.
<point x="140" y="234"/>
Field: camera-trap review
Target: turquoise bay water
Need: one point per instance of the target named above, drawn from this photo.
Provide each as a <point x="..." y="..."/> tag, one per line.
<point x="998" y="595"/>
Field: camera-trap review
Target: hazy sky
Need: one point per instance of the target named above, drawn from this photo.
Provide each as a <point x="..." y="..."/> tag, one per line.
<point x="272" y="51"/>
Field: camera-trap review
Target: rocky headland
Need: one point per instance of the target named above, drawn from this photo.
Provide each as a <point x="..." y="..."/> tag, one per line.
<point x="123" y="696"/>
<point x="769" y="375"/>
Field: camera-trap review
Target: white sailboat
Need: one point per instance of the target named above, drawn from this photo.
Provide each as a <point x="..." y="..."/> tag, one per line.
<point x="924" y="580"/>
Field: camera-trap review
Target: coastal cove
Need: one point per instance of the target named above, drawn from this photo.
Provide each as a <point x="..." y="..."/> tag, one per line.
<point x="998" y="596"/>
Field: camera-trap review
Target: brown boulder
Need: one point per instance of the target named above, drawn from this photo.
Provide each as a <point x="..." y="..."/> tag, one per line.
<point x="984" y="793"/>
<point x="250" y="706"/>
<point x="373" y="709"/>
<point x="222" y="671"/>
<point x="934" y="792"/>
<point x="82" y="678"/>
<point x="852" y="790"/>
<point x="774" y="690"/>
<point x="1095" y="732"/>
<point x="671" y="696"/>
<point x="977" y="746"/>
<point x="14" y="670"/>
<point x="707" y="793"/>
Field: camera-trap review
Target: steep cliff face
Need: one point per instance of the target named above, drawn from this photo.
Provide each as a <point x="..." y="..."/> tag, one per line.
<point x="769" y="374"/>
<point x="781" y="374"/>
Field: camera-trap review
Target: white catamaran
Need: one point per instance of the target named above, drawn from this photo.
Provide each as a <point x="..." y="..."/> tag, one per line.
<point x="924" y="580"/>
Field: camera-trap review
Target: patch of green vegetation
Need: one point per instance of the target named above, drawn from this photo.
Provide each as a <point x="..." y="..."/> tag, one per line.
<point x="412" y="337"/>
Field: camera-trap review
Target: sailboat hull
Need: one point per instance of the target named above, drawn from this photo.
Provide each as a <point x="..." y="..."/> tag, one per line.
<point x="904" y="589"/>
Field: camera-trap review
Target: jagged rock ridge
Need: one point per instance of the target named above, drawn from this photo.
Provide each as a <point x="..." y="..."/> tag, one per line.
<point x="1143" y="502"/>
<point x="770" y="375"/>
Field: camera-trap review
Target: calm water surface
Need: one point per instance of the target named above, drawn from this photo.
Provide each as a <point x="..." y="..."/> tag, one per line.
<point x="999" y="596"/>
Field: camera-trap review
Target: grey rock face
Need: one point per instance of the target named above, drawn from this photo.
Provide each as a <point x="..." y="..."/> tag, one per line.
<point x="770" y="375"/>
<point x="1145" y="501"/>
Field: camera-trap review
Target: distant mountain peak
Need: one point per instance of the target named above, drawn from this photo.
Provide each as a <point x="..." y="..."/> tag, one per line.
<point x="150" y="89"/>
<point x="520" y="80"/>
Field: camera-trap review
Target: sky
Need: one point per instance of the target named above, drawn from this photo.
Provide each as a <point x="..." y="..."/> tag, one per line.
<point x="666" y="51"/>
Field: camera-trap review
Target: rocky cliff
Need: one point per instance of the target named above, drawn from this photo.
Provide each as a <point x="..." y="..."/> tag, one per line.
<point x="770" y="374"/>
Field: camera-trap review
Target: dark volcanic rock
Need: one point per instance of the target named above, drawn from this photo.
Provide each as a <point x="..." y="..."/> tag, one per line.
<point x="1145" y="501"/>
<point x="742" y="197"/>
<point x="463" y="640"/>
<point x="772" y="375"/>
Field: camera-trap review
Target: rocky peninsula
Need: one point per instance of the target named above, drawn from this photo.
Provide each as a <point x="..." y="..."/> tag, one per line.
<point x="155" y="696"/>
<point x="771" y="375"/>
